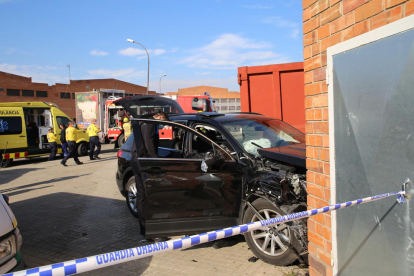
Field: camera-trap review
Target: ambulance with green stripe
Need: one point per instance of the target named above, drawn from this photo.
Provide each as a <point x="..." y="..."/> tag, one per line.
<point x="24" y="127"/>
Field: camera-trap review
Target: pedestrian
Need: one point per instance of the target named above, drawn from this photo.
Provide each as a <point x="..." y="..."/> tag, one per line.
<point x="72" y="146"/>
<point x="93" y="131"/>
<point x="52" y="138"/>
<point x="63" y="141"/>
<point x="151" y="136"/>
<point x="127" y="128"/>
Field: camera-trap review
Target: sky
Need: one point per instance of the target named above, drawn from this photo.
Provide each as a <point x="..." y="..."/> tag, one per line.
<point x="192" y="42"/>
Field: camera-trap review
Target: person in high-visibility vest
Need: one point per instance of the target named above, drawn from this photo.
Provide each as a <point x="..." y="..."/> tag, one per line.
<point x="93" y="131"/>
<point x="71" y="138"/>
<point x="127" y="128"/>
<point x="52" y="138"/>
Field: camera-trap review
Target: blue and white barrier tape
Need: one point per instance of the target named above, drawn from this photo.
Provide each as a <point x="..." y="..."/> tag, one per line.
<point x="122" y="256"/>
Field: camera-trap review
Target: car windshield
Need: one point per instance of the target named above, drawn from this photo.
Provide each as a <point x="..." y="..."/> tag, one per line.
<point x="253" y="134"/>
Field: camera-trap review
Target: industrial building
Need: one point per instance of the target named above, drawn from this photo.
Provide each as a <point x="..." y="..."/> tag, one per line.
<point x="15" y="88"/>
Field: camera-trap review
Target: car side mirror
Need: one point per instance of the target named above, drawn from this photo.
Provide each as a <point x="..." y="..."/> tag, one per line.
<point x="210" y="160"/>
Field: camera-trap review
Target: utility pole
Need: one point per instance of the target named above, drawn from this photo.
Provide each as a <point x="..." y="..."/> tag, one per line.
<point x="67" y="87"/>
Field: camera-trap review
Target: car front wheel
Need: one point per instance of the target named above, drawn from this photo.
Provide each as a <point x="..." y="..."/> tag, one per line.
<point x="267" y="245"/>
<point x="131" y="198"/>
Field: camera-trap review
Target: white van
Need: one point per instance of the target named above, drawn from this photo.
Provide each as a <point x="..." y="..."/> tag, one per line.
<point x="10" y="239"/>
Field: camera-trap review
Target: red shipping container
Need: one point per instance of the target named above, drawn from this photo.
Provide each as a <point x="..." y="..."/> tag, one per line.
<point x="275" y="90"/>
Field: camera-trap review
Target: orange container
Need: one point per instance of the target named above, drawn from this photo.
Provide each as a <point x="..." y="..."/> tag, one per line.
<point x="275" y="90"/>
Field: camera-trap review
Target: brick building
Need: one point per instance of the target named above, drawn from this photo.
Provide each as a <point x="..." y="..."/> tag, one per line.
<point x="327" y="23"/>
<point x="14" y="88"/>
<point x="225" y="100"/>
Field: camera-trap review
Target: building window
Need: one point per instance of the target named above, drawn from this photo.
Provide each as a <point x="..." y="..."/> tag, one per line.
<point x="224" y="108"/>
<point x="41" y="94"/>
<point x="64" y="95"/>
<point x="73" y="96"/>
<point x="1" y="88"/>
<point x="238" y="107"/>
<point x="13" y="92"/>
<point x="237" y="100"/>
<point x="87" y="87"/>
<point x="232" y="108"/>
<point x="232" y="100"/>
<point x="27" y="93"/>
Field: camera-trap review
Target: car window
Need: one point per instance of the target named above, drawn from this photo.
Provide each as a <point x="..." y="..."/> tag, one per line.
<point x="62" y="120"/>
<point x="10" y="125"/>
<point x="176" y="140"/>
<point x="215" y="135"/>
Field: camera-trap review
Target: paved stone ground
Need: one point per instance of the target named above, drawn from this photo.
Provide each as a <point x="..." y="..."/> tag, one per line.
<point x="66" y="213"/>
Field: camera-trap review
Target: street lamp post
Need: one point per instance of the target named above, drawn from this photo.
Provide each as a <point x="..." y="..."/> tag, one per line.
<point x="160" y="81"/>
<point x="132" y="41"/>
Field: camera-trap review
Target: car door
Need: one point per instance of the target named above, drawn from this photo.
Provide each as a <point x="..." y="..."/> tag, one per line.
<point x="181" y="197"/>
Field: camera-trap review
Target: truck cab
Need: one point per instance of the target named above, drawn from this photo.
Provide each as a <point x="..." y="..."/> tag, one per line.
<point x="196" y="103"/>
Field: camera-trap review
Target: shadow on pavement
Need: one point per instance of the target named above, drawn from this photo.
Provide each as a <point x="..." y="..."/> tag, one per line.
<point x="64" y="226"/>
<point x="53" y="180"/>
<point x="109" y="150"/>
<point x="97" y="160"/>
<point x="7" y="175"/>
<point x="24" y="161"/>
<point x="222" y="243"/>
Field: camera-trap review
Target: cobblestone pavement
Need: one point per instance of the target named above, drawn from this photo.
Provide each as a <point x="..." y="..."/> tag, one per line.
<point x="66" y="213"/>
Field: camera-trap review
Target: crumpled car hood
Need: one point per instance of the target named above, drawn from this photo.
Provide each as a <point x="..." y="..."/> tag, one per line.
<point x="292" y="154"/>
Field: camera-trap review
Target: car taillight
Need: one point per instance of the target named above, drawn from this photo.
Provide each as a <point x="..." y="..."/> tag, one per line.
<point x="120" y="152"/>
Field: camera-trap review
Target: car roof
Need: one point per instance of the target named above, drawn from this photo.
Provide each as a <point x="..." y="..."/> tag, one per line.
<point x="218" y="117"/>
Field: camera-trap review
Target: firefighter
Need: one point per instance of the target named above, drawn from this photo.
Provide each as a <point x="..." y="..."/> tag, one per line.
<point x="127" y="128"/>
<point x="71" y="138"/>
<point x="52" y="138"/>
<point x="93" y="131"/>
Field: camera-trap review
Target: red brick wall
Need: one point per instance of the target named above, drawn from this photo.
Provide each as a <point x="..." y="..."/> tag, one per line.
<point x="326" y="23"/>
<point x="11" y="81"/>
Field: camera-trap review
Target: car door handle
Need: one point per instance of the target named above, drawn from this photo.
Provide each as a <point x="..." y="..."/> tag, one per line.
<point x="155" y="170"/>
<point x="22" y="136"/>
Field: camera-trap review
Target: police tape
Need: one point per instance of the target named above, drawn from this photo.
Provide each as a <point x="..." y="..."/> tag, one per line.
<point x="117" y="257"/>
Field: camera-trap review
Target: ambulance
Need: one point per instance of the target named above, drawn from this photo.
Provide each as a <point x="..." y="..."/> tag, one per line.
<point x="24" y="127"/>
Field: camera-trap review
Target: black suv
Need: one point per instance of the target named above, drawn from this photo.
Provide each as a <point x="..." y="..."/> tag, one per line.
<point x="220" y="170"/>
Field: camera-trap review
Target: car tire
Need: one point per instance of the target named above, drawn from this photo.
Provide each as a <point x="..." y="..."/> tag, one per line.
<point x="267" y="246"/>
<point x="121" y="140"/>
<point x="6" y="162"/>
<point x="82" y="149"/>
<point x="131" y="196"/>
